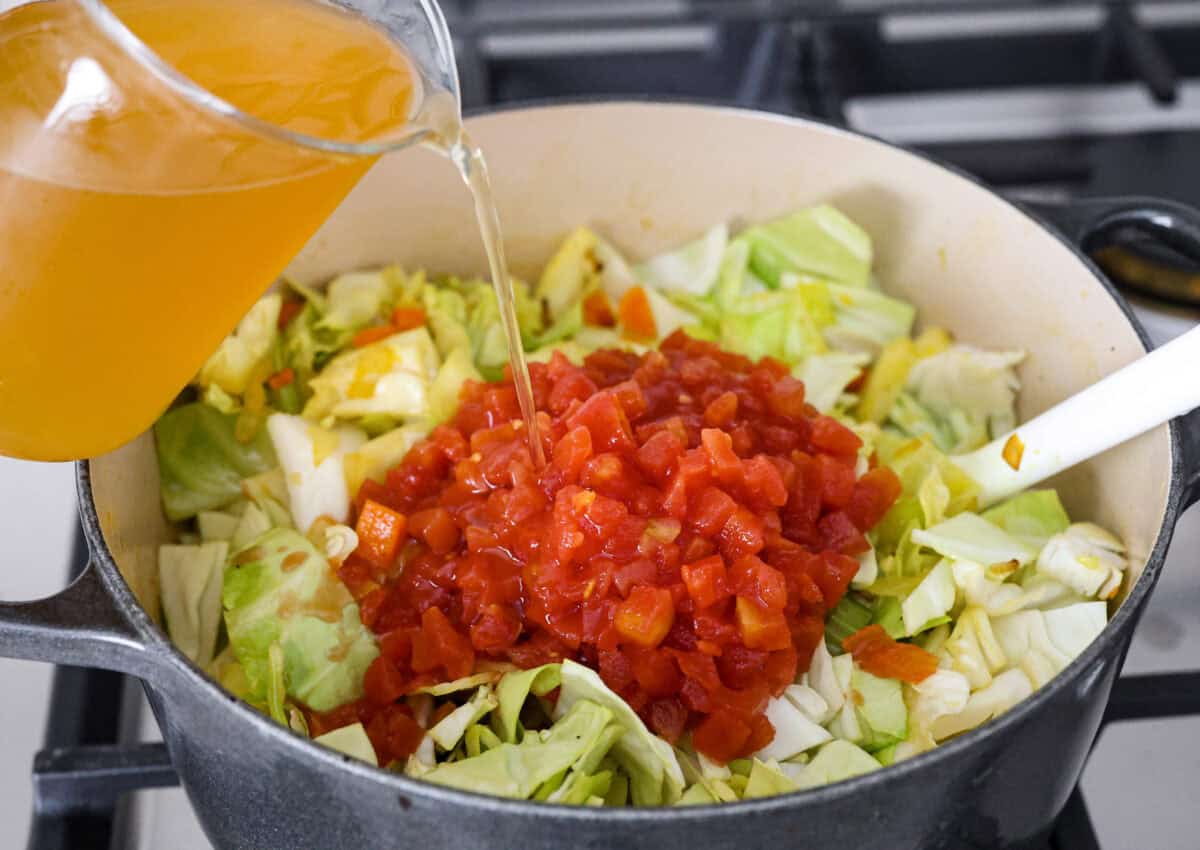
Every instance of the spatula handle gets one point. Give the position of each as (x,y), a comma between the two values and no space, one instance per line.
(1158,387)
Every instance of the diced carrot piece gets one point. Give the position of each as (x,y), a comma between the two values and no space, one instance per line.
(408,318)
(637,318)
(380,530)
(282,378)
(369,335)
(646,616)
(287,312)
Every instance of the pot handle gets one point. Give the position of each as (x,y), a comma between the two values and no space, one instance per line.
(80,626)
(1091,223)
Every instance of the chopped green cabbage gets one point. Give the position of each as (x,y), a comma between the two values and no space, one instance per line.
(570,272)
(767,780)
(313,461)
(353,300)
(450,729)
(882,715)
(512,692)
(668,317)
(456,370)
(374,458)
(818,241)
(826,377)
(930,600)
(834,762)
(201,463)
(772,324)
(1032,517)
(692,268)
(190,580)
(655,775)
(795,732)
(866,320)
(281,589)
(350,740)
(233,363)
(961,397)
(1086,558)
(968,536)
(518,770)
(391,376)
(216,525)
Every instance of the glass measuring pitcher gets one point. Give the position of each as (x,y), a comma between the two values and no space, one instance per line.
(161,161)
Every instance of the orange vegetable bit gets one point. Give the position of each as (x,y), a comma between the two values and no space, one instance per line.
(637,318)
(289,311)
(1013,451)
(369,335)
(408,318)
(282,378)
(875,651)
(646,616)
(380,531)
(597,310)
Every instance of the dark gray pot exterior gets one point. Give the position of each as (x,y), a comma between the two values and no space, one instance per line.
(1000,787)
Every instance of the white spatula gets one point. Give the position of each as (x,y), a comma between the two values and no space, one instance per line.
(1158,387)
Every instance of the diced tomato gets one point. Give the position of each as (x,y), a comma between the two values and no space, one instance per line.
(831,436)
(742,534)
(606,422)
(877,653)
(740,666)
(694,523)
(721,410)
(710,511)
(721,737)
(753,578)
(655,671)
(706,581)
(383,683)
(786,399)
(837,482)
(437,644)
(496,629)
(394,734)
(761,734)
(646,616)
(718,446)
(764,482)
(667,718)
(839,534)
(874,494)
(408,318)
(659,454)
(436,528)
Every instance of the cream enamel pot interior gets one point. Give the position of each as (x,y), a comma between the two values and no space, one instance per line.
(651,176)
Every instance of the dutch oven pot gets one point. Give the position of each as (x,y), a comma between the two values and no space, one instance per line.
(651,176)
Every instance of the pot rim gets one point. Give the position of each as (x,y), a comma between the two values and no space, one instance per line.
(413,789)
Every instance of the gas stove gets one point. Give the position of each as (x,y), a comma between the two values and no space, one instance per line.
(1040,99)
